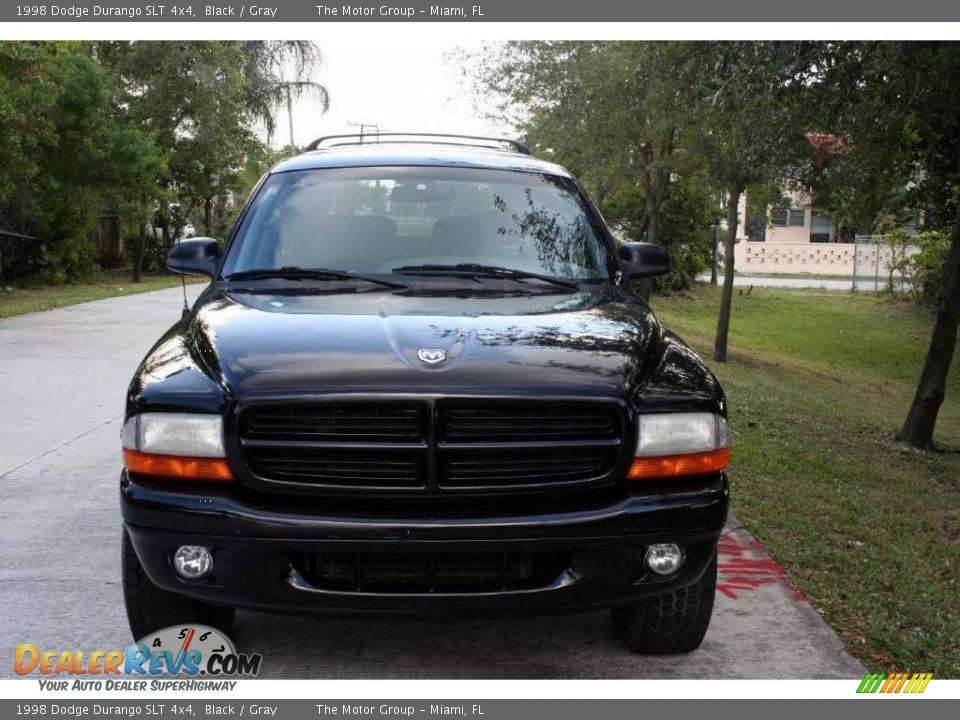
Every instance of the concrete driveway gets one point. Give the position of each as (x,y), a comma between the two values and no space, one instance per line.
(62,380)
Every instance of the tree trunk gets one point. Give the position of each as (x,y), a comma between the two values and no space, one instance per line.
(207,216)
(602,186)
(139,254)
(221,207)
(654,218)
(293,147)
(600,195)
(713,253)
(726,293)
(644,287)
(922,417)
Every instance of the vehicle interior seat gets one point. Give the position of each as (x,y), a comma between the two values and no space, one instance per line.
(458,236)
(341,242)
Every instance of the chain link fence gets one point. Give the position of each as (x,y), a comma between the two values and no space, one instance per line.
(866,269)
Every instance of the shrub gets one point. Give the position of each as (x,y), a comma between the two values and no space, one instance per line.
(688,217)
(923,271)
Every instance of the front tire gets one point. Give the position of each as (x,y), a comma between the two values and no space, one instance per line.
(671,623)
(150,608)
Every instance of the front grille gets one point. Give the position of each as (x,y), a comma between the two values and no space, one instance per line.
(463,468)
(431,572)
(337,421)
(528,420)
(437,446)
(354,467)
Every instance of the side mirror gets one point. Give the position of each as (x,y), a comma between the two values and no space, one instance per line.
(642,260)
(196,256)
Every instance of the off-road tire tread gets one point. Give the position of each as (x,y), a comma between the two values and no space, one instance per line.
(672,623)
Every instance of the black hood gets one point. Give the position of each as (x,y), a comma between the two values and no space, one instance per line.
(587,343)
(247,344)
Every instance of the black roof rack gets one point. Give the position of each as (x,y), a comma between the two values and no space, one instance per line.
(444,139)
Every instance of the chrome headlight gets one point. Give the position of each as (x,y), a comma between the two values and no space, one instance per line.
(187,434)
(684,443)
(187,446)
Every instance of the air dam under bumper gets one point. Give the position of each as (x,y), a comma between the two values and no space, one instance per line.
(273,561)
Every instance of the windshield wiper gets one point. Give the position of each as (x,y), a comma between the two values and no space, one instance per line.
(291,272)
(480,270)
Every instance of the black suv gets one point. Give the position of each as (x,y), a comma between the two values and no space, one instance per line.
(421,383)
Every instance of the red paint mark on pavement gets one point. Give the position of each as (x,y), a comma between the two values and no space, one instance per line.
(745,566)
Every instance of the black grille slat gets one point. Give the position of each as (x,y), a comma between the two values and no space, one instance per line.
(332,466)
(533,420)
(426,573)
(340,421)
(519,462)
(462,468)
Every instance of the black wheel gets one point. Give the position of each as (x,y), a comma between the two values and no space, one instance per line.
(150,608)
(674,622)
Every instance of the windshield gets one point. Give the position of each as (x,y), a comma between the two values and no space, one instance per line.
(374,220)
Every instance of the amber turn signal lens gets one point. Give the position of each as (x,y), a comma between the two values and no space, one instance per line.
(180,468)
(657,468)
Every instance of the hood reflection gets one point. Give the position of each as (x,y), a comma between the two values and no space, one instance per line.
(590,342)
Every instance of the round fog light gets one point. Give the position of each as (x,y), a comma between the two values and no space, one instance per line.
(664,558)
(192,561)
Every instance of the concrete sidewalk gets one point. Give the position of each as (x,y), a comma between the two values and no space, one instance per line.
(865,285)
(63,375)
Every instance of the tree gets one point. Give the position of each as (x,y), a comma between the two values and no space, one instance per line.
(279,71)
(898,106)
(688,215)
(921,419)
(859,190)
(67,152)
(748,124)
(568,100)
(925,79)
(194,96)
(937,141)
(203,101)
(602,110)
(26,95)
(659,122)
(292,89)
(133,128)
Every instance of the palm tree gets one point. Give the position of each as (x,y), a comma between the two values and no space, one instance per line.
(299,88)
(279,71)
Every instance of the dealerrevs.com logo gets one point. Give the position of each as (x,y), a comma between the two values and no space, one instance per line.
(180,650)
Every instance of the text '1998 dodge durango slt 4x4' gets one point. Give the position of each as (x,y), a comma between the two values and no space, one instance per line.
(420,383)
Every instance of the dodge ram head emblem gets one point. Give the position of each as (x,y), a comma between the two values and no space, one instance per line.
(431,356)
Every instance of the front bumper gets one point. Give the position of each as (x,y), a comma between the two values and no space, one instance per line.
(256,548)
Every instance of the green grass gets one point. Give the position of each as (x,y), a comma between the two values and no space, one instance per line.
(818,384)
(17,299)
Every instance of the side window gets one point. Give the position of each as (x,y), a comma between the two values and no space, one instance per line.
(792,217)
